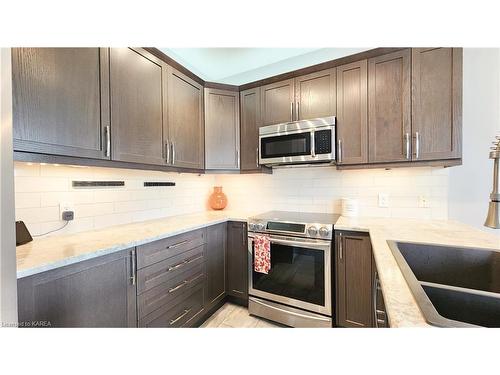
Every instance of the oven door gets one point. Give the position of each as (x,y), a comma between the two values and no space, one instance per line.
(289,147)
(300,273)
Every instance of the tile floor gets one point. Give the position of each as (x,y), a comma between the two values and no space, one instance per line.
(234,316)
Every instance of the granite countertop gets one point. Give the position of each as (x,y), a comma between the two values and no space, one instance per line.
(56,251)
(401,307)
(52,252)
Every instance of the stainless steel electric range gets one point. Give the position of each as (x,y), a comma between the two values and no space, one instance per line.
(297,290)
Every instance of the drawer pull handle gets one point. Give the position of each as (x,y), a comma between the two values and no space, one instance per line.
(184,283)
(184,313)
(177,244)
(184,262)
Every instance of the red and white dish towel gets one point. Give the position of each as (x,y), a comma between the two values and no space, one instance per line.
(262,261)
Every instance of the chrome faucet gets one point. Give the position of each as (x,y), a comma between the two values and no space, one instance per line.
(493,218)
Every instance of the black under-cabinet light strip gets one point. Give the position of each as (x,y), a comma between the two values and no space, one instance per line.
(150,184)
(98,183)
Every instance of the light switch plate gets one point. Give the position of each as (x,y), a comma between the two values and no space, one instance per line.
(383,200)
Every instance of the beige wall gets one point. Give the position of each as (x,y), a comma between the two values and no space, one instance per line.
(471,184)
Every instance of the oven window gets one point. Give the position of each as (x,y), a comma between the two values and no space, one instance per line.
(286,145)
(296,273)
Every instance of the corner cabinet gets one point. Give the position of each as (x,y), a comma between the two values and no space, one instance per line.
(437,103)
(237,260)
(352,113)
(185,140)
(137,109)
(100,292)
(61,101)
(215,289)
(354,282)
(222,129)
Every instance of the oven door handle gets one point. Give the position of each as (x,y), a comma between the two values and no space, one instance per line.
(310,245)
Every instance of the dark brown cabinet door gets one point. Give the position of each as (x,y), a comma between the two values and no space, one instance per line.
(61,101)
(352,113)
(216,263)
(185,121)
(95,293)
(277,102)
(250,123)
(315,95)
(136,106)
(237,259)
(354,280)
(437,103)
(222,129)
(389,112)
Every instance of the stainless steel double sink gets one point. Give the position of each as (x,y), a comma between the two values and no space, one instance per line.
(453,286)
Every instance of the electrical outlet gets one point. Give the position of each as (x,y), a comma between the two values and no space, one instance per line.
(383,200)
(423,201)
(65,207)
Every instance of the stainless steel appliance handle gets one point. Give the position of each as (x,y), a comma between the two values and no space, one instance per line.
(133,267)
(417,145)
(167,151)
(407,140)
(313,145)
(311,244)
(290,312)
(173,321)
(108,141)
(257,157)
(339,151)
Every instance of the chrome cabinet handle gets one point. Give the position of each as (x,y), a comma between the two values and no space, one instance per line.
(183,263)
(173,152)
(173,321)
(177,244)
(132,265)
(171,290)
(407,140)
(313,145)
(341,250)
(417,145)
(339,151)
(298,109)
(257,157)
(237,158)
(167,151)
(291,111)
(108,141)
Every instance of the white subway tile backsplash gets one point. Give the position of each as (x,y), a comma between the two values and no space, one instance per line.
(27,200)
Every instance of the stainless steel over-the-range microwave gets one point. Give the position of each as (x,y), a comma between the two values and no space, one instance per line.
(298,142)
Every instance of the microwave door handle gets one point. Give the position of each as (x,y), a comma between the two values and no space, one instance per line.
(313,145)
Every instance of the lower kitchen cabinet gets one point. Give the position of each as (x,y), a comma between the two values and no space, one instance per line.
(99,292)
(237,260)
(215,264)
(354,281)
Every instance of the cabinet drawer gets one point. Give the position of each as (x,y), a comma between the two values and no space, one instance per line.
(167,269)
(165,293)
(177,313)
(157,251)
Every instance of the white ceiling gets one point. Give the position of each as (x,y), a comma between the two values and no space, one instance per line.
(242,65)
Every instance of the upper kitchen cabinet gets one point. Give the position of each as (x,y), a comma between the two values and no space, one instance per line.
(250,123)
(185,121)
(389,112)
(222,129)
(436,103)
(137,91)
(277,102)
(315,95)
(61,101)
(352,113)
